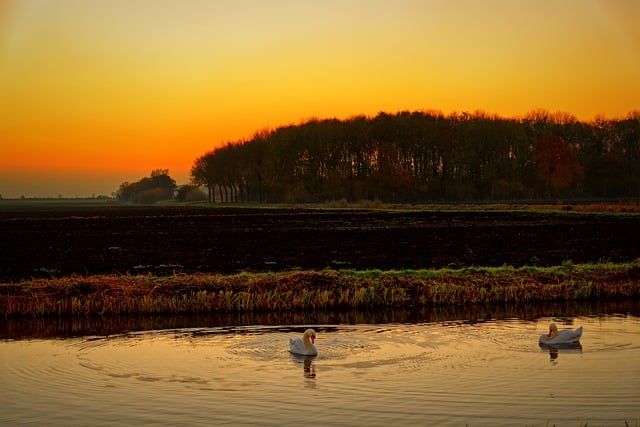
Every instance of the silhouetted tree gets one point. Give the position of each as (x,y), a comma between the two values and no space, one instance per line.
(159,186)
(190,193)
(422,156)
(556,163)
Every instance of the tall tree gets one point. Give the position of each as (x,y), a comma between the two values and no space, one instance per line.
(556,163)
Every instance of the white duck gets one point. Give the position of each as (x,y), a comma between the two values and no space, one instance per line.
(554,337)
(304,346)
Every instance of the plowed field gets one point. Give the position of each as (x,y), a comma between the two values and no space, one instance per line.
(161,240)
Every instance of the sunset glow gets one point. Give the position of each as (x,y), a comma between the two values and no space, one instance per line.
(94,93)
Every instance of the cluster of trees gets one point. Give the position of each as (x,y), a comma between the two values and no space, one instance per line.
(422,156)
(159,186)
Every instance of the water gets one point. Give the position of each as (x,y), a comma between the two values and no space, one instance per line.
(446,373)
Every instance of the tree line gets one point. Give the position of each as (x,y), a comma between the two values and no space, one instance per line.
(428,156)
(159,186)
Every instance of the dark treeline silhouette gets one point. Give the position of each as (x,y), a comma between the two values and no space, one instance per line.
(427,156)
(159,186)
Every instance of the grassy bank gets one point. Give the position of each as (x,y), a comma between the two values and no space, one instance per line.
(315,290)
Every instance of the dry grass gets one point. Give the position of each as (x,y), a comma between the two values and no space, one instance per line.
(597,207)
(313,290)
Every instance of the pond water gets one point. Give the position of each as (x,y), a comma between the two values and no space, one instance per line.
(450,372)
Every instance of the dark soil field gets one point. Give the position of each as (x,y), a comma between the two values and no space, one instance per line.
(60,241)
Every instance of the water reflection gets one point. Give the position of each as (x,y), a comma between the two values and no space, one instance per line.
(556,349)
(308,365)
(25,328)
(309,368)
(470,372)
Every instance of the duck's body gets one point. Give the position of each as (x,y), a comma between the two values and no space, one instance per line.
(304,346)
(555,337)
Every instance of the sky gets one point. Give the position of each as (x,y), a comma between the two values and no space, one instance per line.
(95,93)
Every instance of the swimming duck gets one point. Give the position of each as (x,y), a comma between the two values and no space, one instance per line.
(554,336)
(304,346)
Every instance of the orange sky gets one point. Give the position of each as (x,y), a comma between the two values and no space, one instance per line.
(94,93)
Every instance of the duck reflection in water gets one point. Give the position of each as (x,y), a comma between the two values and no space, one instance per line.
(309,368)
(556,349)
(308,365)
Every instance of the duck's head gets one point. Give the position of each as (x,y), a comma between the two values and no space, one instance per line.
(310,334)
(553,330)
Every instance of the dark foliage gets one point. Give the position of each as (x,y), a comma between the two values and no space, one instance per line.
(423,156)
(159,186)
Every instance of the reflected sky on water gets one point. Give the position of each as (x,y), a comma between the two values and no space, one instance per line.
(477,367)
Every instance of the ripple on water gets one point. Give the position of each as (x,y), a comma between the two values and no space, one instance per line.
(452,373)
